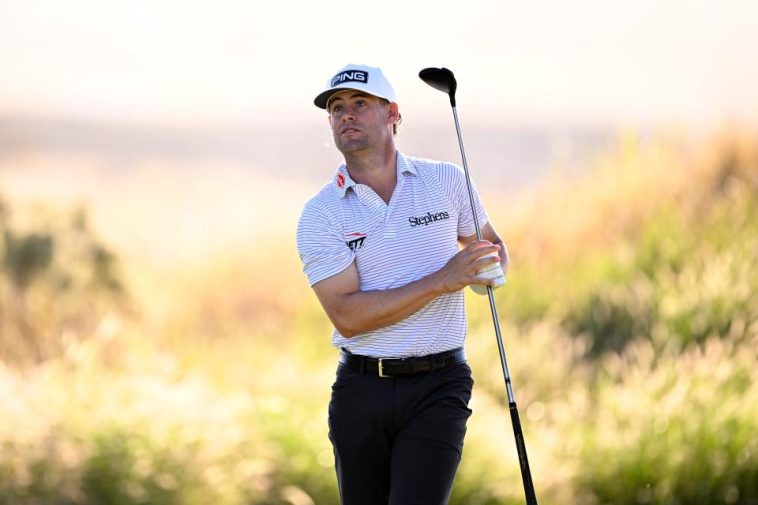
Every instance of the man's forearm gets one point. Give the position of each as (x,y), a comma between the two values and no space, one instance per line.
(364,311)
(353,311)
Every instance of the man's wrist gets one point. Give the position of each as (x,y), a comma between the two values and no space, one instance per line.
(436,284)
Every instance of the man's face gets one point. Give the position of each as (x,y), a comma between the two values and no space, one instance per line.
(359,120)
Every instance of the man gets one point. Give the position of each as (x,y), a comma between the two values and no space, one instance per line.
(381,246)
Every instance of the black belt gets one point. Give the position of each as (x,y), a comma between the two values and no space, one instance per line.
(396,367)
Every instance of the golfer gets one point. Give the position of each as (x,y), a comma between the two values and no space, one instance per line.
(388,245)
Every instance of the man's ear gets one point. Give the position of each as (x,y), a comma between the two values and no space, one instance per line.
(393,113)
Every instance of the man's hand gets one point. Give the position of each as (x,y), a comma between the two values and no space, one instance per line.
(460,271)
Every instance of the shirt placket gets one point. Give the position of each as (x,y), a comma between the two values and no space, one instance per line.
(390,227)
(373,203)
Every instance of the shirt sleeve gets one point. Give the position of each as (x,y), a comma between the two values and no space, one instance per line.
(455,181)
(321,246)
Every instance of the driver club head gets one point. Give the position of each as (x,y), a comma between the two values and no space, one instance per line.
(441,79)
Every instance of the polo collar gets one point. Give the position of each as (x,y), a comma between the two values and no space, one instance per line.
(404,165)
(342,180)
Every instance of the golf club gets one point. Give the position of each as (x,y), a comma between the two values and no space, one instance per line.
(443,80)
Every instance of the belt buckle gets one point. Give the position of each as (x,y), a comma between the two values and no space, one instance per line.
(381,368)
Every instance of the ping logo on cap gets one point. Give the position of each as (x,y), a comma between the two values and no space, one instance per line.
(350,76)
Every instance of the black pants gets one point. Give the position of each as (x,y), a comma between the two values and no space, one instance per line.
(398,441)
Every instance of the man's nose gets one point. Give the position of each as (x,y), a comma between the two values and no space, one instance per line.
(348,114)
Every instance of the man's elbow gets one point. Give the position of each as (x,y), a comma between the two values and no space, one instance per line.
(347,333)
(345,325)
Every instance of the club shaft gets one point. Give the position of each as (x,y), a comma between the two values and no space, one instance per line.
(490,294)
(468,177)
(526,474)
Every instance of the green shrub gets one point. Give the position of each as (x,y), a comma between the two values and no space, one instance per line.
(57,282)
(674,429)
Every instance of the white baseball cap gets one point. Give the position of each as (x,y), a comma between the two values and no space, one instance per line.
(359,77)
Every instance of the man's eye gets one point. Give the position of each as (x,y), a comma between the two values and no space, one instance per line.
(360,104)
(337,109)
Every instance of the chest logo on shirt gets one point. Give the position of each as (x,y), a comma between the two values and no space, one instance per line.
(427,218)
(355,240)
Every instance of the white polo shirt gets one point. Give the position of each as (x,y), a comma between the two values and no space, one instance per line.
(393,244)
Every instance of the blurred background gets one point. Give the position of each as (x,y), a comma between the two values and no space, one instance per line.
(159,343)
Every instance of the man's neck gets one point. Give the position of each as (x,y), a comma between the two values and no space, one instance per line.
(377,169)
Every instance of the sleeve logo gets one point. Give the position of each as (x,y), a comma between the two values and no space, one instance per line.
(355,240)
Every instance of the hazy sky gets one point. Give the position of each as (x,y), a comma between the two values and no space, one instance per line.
(617,61)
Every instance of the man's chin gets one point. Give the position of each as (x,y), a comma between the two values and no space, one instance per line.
(351,146)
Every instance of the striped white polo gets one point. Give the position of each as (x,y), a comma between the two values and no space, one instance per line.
(393,244)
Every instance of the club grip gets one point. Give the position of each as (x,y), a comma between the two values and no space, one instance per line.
(526,474)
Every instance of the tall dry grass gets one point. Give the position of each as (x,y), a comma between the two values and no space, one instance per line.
(629,318)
